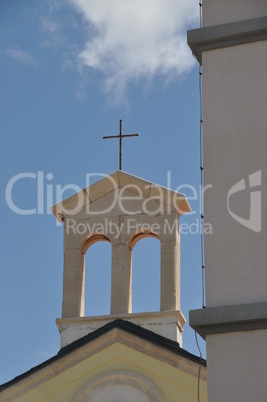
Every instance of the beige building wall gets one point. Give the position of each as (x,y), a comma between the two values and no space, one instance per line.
(217,12)
(232,48)
(237,366)
(235,144)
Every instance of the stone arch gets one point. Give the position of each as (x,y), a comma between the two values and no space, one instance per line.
(139,235)
(115,385)
(90,240)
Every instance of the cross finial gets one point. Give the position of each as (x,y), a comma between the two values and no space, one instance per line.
(120,136)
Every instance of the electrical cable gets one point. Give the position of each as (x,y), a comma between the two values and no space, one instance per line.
(201,202)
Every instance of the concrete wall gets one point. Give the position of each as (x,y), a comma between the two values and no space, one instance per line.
(165,323)
(221,12)
(234,60)
(237,363)
(235,143)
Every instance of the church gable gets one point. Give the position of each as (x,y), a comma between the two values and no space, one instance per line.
(127,201)
(117,356)
(88,198)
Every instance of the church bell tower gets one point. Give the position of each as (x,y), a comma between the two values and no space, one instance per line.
(138,209)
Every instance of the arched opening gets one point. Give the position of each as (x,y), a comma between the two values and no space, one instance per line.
(116,385)
(145,273)
(97,250)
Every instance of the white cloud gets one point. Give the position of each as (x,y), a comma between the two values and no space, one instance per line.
(21,56)
(51,31)
(50,26)
(129,40)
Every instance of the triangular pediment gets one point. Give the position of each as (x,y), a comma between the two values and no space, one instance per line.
(120,180)
(118,347)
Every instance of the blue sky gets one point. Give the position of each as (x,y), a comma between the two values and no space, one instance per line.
(69,71)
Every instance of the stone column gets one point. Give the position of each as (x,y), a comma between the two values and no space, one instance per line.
(170,276)
(73,284)
(121,279)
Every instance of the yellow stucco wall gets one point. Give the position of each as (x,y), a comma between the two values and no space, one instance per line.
(173,383)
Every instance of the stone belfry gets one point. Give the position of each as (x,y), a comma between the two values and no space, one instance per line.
(127,209)
(232,49)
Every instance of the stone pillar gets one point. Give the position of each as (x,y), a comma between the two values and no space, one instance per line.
(121,279)
(73,284)
(170,276)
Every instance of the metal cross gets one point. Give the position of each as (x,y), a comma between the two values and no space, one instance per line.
(121,136)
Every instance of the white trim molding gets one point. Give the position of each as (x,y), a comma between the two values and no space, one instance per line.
(225,35)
